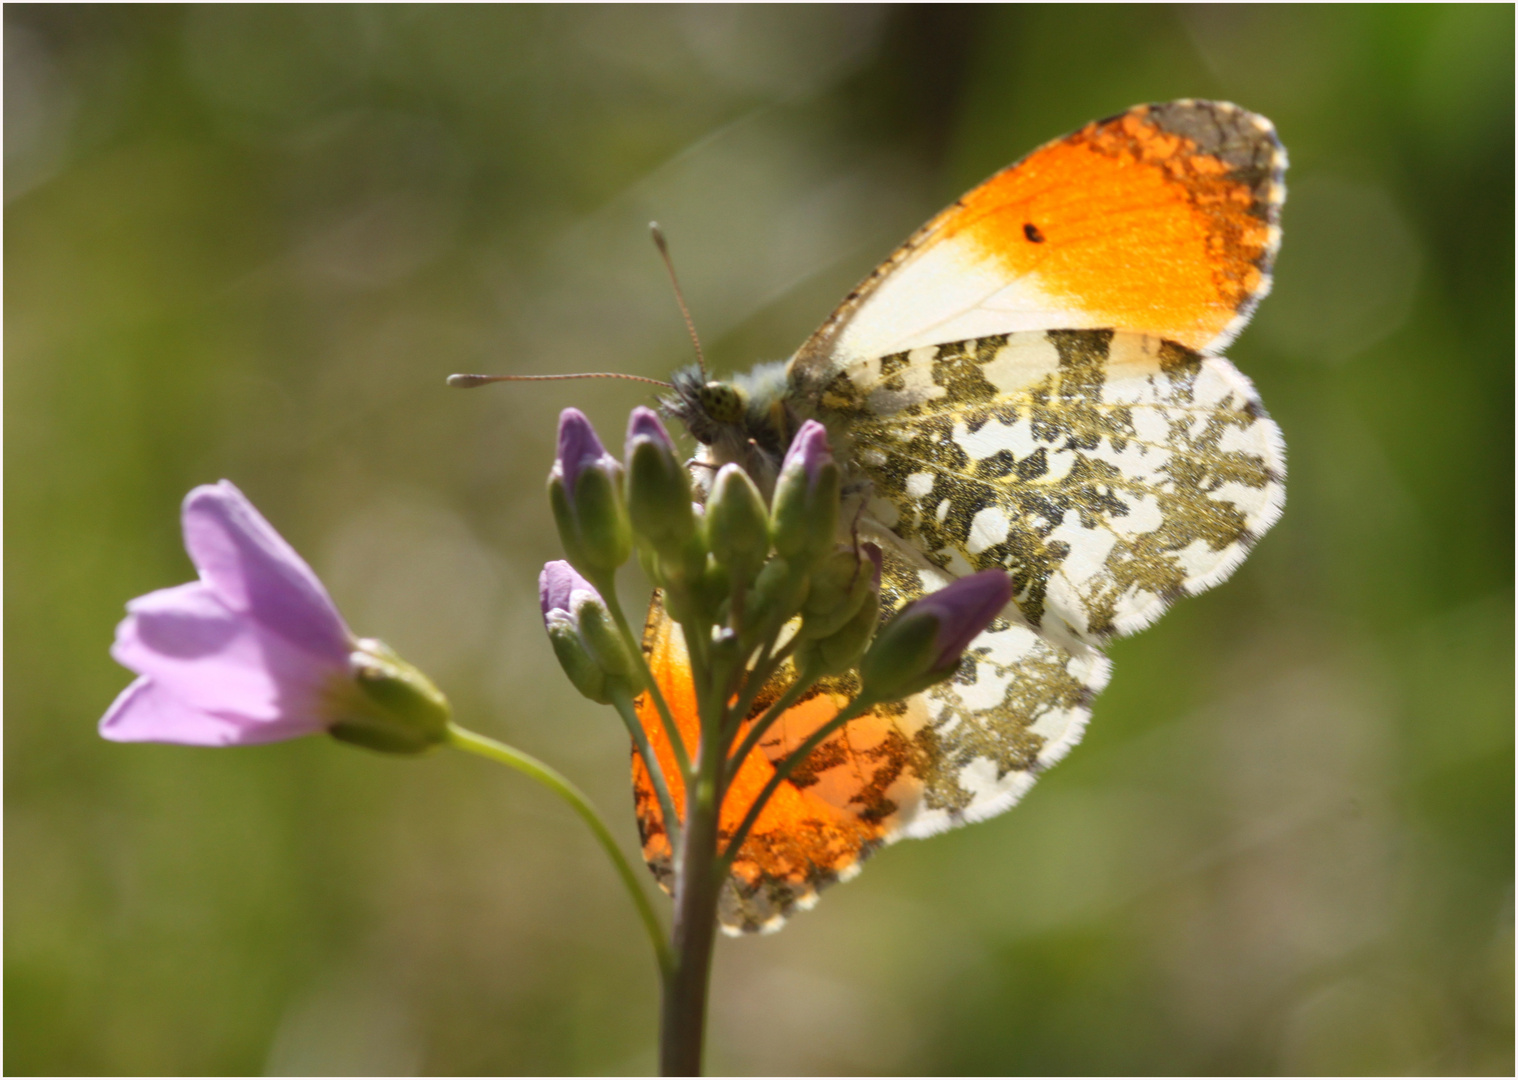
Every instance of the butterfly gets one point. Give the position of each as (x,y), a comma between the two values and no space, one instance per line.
(1033,381)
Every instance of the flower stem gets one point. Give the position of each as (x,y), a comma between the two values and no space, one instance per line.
(682,1022)
(625,708)
(671,730)
(486,747)
(763,724)
(856,708)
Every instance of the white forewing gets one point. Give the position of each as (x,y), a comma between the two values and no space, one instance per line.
(948,291)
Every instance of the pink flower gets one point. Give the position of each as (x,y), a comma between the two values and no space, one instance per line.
(255,651)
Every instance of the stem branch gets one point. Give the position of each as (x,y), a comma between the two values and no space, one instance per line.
(856,708)
(635,646)
(623,701)
(486,747)
(759,727)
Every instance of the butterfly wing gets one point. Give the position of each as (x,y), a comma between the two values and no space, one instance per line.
(800,842)
(1109,473)
(961,751)
(1162,220)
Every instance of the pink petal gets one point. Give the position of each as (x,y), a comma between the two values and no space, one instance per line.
(557,584)
(199,651)
(810,450)
(579,447)
(253,569)
(644,423)
(145,712)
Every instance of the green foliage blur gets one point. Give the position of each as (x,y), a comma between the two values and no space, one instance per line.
(251,242)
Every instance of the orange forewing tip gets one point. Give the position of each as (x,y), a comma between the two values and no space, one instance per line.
(1161,220)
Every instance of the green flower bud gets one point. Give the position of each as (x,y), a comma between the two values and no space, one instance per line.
(397,709)
(924,643)
(725,653)
(584,673)
(839,585)
(806,496)
(589,649)
(658,487)
(841,650)
(737,525)
(777,595)
(585,491)
(688,595)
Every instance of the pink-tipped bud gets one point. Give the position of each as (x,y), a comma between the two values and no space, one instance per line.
(644,423)
(558,586)
(585,489)
(579,447)
(805,514)
(924,643)
(581,631)
(658,489)
(809,451)
(963,608)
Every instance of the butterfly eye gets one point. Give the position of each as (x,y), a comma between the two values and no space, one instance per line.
(723,402)
(1031,231)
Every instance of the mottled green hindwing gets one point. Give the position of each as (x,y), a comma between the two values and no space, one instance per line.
(1109,472)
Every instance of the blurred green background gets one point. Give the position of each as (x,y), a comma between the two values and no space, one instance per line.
(251,242)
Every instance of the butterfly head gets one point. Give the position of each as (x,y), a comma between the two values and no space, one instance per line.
(744,419)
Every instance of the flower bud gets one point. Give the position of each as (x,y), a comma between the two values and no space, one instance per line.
(585,490)
(737,525)
(777,595)
(806,496)
(584,673)
(839,585)
(841,650)
(589,649)
(923,644)
(396,709)
(658,487)
(603,640)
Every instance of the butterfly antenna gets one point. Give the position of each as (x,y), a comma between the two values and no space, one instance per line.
(669,265)
(466,382)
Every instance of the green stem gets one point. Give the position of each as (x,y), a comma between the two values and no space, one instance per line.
(635,645)
(769,663)
(485,747)
(858,707)
(682,1024)
(764,723)
(623,701)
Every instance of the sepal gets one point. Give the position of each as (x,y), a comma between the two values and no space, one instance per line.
(395,709)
